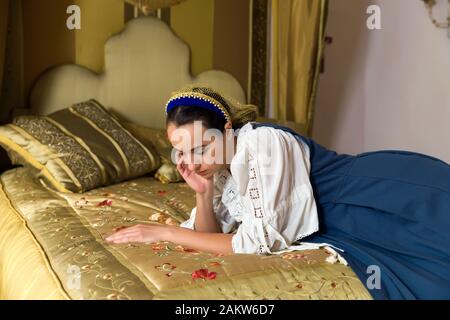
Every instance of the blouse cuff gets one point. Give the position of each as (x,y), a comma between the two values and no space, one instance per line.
(241,242)
(226,222)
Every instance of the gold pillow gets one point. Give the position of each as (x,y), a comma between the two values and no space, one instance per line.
(168,172)
(78,149)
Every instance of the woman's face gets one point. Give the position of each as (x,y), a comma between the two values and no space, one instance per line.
(204,151)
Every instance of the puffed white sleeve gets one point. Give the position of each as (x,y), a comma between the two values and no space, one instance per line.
(271,170)
(225,220)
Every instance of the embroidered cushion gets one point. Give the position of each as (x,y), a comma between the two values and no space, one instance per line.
(78,148)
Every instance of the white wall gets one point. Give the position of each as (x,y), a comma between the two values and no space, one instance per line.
(385,89)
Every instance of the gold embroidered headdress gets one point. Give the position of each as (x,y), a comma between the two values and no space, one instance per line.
(205,97)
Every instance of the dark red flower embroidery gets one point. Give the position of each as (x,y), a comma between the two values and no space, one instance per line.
(105,203)
(203,274)
(161,192)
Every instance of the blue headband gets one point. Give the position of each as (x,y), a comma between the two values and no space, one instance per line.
(195,99)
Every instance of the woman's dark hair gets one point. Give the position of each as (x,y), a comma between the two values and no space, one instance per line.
(240,114)
(186,114)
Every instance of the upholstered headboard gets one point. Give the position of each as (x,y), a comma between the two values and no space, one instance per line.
(143,65)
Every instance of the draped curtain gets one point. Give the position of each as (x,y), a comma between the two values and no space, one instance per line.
(297,43)
(3,25)
(4,9)
(11,66)
(12,97)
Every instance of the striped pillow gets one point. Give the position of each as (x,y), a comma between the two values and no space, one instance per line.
(78,149)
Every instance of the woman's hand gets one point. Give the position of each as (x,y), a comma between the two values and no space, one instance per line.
(141,233)
(201,241)
(198,183)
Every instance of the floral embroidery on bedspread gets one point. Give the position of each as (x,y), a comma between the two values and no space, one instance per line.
(71,228)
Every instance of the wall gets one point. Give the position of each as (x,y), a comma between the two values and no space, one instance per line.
(385,89)
(215,30)
(231,38)
(193,21)
(96,29)
(46,40)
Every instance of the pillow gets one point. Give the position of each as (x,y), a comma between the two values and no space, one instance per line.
(168,171)
(78,149)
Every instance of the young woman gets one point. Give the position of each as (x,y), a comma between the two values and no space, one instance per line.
(264,187)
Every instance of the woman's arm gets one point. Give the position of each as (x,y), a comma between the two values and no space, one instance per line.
(205,219)
(208,234)
(201,241)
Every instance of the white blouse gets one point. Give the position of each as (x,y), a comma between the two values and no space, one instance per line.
(267,199)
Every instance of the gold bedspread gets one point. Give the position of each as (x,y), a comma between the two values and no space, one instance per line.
(52,247)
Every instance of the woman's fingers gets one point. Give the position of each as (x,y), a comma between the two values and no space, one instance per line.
(122,233)
(127,237)
(124,240)
(116,237)
(182,169)
(136,233)
(125,230)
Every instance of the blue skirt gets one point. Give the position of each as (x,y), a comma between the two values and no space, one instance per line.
(391,216)
(390,213)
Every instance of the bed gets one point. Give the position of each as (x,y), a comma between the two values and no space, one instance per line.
(52,242)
